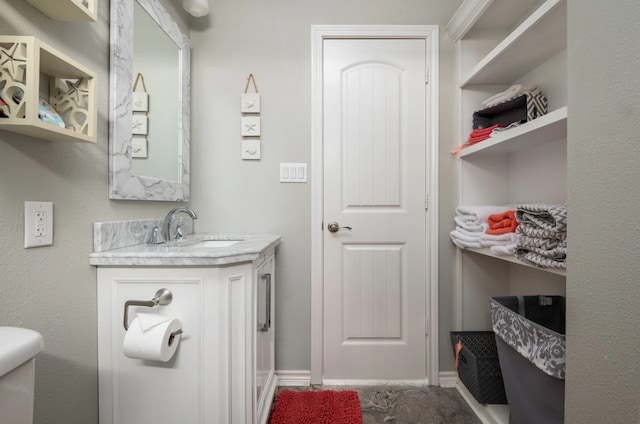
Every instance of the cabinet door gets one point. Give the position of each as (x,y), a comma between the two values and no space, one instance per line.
(265,338)
(136,391)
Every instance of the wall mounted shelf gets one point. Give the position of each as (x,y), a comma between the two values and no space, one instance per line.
(542,35)
(68,10)
(487,252)
(547,128)
(32,72)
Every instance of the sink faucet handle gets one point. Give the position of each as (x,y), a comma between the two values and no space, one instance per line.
(178,234)
(152,237)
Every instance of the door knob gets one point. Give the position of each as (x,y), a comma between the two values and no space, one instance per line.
(334,227)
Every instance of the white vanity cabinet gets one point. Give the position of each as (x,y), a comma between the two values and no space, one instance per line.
(500,43)
(223,369)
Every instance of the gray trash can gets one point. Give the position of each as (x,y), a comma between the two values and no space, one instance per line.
(531,349)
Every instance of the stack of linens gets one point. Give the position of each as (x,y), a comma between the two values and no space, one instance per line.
(472,224)
(542,235)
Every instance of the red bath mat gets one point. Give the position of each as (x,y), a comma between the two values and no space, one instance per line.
(317,407)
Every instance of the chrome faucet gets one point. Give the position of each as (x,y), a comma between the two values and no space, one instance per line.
(165,231)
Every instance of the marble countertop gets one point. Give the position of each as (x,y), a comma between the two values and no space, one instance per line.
(184,253)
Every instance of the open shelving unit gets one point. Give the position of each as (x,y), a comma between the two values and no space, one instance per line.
(500,43)
(68,10)
(33,72)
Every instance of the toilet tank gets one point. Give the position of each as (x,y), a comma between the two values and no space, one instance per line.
(18,348)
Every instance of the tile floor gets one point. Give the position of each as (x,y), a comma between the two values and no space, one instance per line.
(400,404)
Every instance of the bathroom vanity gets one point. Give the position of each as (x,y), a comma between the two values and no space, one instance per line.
(223,293)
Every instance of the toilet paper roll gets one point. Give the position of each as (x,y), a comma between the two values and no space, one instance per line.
(155,344)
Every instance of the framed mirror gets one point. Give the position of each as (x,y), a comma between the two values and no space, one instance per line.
(149,138)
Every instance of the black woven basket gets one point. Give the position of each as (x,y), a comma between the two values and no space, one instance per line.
(479,367)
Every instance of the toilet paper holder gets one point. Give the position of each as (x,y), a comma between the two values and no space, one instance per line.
(162,297)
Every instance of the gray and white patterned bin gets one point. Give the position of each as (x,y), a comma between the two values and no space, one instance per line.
(531,349)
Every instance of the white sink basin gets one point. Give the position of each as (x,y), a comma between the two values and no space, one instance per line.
(18,346)
(212,244)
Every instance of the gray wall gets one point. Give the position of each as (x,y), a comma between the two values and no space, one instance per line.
(52,289)
(603,323)
(272,40)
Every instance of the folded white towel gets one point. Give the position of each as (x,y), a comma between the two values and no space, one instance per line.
(462,240)
(469,224)
(506,250)
(501,240)
(511,92)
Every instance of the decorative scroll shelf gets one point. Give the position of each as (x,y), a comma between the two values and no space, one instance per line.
(68,10)
(30,68)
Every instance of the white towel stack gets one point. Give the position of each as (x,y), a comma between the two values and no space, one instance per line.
(510,93)
(471,224)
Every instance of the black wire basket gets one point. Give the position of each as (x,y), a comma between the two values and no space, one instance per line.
(479,367)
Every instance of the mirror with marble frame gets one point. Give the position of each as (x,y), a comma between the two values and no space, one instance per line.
(126,179)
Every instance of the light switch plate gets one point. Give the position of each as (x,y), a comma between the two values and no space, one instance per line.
(293,172)
(251,149)
(38,224)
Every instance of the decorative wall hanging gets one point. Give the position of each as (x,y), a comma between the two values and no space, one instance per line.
(139,147)
(250,102)
(139,124)
(250,126)
(140,118)
(250,121)
(140,99)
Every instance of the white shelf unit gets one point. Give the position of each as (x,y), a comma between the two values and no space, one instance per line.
(500,43)
(68,10)
(37,71)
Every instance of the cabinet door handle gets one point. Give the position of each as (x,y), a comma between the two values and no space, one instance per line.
(264,327)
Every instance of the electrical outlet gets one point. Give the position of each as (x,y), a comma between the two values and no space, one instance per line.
(38,224)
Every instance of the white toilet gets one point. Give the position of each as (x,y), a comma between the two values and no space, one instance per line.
(18,348)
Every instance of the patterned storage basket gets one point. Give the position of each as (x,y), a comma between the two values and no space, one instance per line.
(533,326)
(478,365)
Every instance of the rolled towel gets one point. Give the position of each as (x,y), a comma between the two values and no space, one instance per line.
(480,214)
(502,223)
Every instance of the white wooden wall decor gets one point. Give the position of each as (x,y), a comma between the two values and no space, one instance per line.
(250,121)
(140,120)
(70,98)
(27,67)
(250,126)
(68,10)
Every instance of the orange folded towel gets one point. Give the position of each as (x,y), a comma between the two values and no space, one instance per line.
(502,223)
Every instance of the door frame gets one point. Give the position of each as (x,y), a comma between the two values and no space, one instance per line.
(318,34)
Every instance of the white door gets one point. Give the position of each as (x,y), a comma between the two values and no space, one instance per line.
(374,146)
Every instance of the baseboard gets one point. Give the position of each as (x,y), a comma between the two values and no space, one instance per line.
(264,409)
(448,379)
(488,414)
(293,378)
